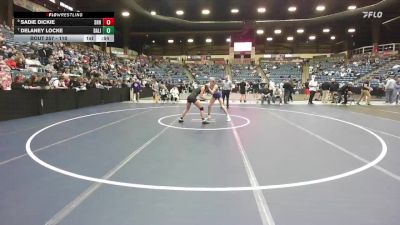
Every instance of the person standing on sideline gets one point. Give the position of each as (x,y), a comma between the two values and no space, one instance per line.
(313,89)
(307,90)
(156,91)
(242,91)
(397,90)
(226,90)
(136,88)
(292,85)
(287,90)
(163,92)
(365,93)
(389,88)
(333,89)
(325,91)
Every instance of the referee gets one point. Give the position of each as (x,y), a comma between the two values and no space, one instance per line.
(226,90)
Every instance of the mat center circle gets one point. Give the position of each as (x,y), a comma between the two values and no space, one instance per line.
(193,122)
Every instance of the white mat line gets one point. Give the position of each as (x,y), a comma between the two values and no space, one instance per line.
(385,133)
(383,170)
(59,216)
(262,205)
(71,138)
(210,120)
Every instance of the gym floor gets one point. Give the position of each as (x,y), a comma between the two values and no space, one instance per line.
(135,164)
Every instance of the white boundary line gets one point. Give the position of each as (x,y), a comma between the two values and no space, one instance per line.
(385,133)
(262,205)
(376,117)
(373,116)
(390,174)
(203,129)
(71,138)
(59,216)
(210,189)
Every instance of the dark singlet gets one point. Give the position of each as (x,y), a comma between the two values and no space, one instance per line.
(192,98)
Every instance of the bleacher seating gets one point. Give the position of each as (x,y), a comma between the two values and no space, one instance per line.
(201,72)
(245,72)
(336,68)
(392,68)
(68,60)
(169,72)
(280,71)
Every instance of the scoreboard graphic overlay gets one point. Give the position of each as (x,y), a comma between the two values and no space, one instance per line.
(64,26)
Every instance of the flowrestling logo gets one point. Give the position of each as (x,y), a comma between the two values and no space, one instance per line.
(372,14)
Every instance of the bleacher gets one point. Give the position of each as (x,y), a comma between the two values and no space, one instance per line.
(201,72)
(278,71)
(245,72)
(336,68)
(392,68)
(76,60)
(172,73)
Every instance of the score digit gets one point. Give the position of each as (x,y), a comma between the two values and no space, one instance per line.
(108,30)
(108,21)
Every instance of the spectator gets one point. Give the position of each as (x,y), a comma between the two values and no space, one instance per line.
(287,89)
(60,54)
(43,56)
(20,62)
(11,63)
(98,84)
(2,39)
(32,81)
(333,89)
(82,84)
(325,91)
(43,83)
(163,92)
(242,91)
(126,84)
(389,88)
(5,78)
(67,79)
(74,83)
(292,86)
(397,90)
(365,89)
(174,94)
(58,65)
(137,88)
(57,83)
(345,91)
(18,83)
(277,93)
(313,89)
(307,90)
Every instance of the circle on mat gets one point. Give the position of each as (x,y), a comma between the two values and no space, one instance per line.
(244,119)
(209,189)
